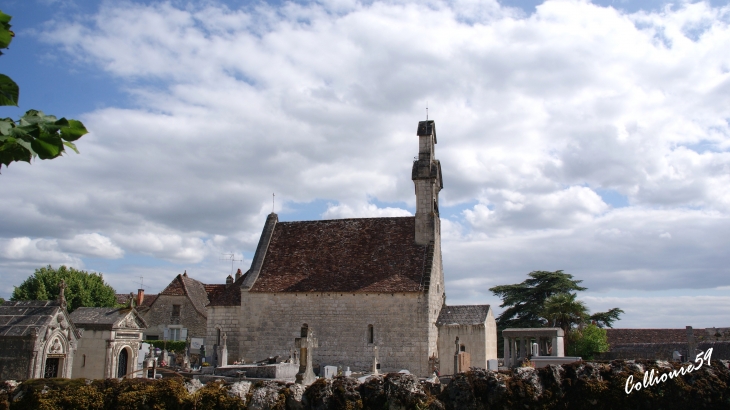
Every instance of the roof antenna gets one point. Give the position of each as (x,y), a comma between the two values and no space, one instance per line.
(273,198)
(141,282)
(230,258)
(426,110)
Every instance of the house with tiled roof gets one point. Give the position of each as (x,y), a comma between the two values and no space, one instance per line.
(179,311)
(357,284)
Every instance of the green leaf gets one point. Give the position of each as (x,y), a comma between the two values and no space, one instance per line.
(73,131)
(47,146)
(6,35)
(9,91)
(6,124)
(13,150)
(72,146)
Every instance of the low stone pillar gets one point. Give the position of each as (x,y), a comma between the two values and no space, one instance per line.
(507,352)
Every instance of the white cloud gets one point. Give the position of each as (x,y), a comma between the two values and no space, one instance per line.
(92,244)
(536,116)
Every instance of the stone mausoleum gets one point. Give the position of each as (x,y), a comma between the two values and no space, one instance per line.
(37,339)
(357,284)
(109,346)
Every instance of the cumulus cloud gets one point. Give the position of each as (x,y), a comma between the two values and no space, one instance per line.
(92,244)
(538,115)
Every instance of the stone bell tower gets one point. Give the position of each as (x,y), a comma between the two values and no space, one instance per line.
(426,176)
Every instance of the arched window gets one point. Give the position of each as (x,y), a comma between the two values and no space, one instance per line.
(305,329)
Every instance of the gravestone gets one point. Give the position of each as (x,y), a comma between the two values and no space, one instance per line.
(306,344)
(330,372)
(376,363)
(347,373)
(223,352)
(493,364)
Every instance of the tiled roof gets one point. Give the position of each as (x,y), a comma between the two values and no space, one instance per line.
(463,315)
(123,298)
(214,291)
(229,295)
(97,315)
(200,294)
(344,255)
(627,336)
(101,317)
(17,319)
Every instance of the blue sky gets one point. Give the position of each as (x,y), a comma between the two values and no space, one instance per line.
(588,137)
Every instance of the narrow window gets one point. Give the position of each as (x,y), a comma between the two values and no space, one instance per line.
(371,334)
(83,362)
(305,329)
(219,338)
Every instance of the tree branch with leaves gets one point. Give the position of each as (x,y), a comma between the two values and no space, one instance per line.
(34,134)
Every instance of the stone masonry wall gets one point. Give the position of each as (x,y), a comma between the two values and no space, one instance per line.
(473,337)
(15,358)
(92,345)
(271,322)
(227,319)
(160,316)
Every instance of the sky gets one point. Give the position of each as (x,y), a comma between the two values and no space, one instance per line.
(587,137)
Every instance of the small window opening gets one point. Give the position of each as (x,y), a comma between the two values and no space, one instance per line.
(463,348)
(218,338)
(304,330)
(176,310)
(83,361)
(371,334)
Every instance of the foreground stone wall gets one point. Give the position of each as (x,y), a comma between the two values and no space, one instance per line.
(402,332)
(593,386)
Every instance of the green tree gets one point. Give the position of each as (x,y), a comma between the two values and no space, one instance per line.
(35,134)
(587,341)
(83,288)
(525,302)
(606,319)
(564,311)
(546,299)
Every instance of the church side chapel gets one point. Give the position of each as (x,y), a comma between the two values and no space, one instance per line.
(110,343)
(38,339)
(370,290)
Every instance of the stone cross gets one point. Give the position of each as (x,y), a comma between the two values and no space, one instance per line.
(306,344)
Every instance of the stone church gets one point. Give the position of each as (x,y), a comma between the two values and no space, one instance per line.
(358,284)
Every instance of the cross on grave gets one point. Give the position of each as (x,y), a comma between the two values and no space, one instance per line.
(376,362)
(306,343)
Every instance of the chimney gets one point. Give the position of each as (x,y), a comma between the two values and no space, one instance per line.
(229,280)
(238,274)
(140,297)
(185,273)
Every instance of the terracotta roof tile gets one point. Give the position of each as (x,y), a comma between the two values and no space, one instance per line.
(344,255)
(230,295)
(628,336)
